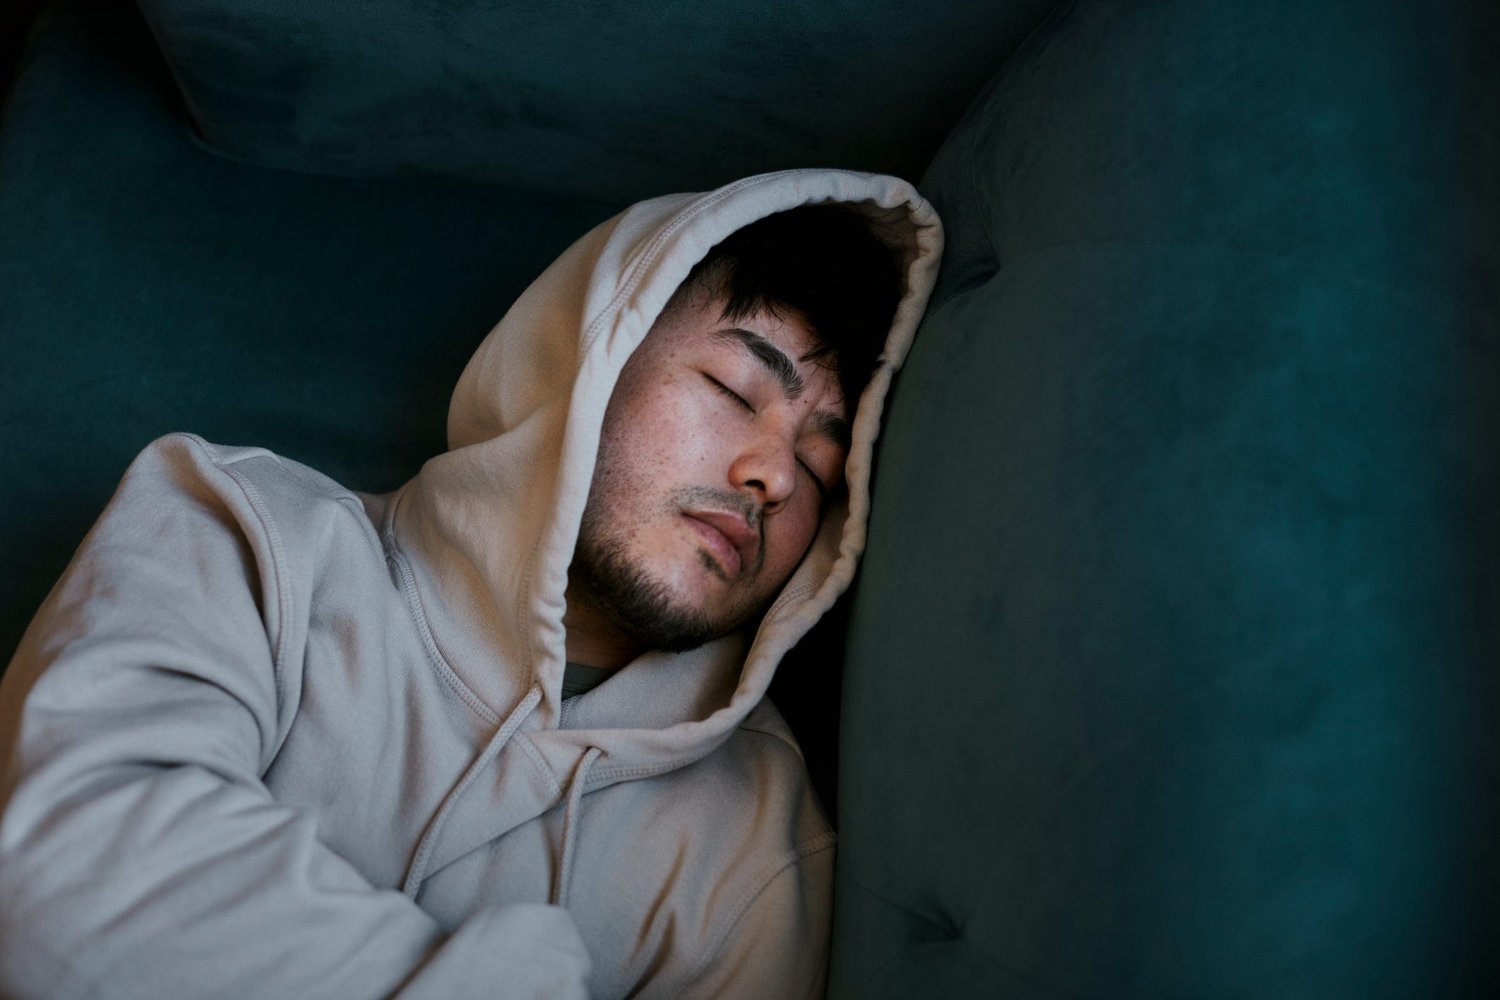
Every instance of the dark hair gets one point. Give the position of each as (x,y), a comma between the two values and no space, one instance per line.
(823,262)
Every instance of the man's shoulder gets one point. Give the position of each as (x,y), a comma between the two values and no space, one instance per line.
(759,771)
(299,513)
(181,450)
(188,464)
(765,727)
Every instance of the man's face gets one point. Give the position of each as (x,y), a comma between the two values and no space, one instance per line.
(719,446)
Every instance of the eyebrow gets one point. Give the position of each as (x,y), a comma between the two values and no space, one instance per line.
(833,427)
(775,361)
(771,358)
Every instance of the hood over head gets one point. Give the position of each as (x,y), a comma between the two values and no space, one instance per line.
(486,531)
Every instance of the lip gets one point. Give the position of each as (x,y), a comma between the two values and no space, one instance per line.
(729,536)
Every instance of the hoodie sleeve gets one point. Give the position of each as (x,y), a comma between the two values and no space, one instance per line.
(141,855)
(778,945)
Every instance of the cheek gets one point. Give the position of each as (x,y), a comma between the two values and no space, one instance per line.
(667,435)
(788,535)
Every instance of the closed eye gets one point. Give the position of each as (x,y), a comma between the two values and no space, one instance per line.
(730,393)
(822,489)
(744,404)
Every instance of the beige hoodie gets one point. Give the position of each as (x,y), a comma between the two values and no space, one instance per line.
(268,736)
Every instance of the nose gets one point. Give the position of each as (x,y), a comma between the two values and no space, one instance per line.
(765,468)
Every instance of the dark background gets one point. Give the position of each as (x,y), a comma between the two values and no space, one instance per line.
(15,21)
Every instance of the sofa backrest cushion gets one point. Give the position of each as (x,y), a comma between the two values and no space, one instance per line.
(583,97)
(1172,665)
(148,287)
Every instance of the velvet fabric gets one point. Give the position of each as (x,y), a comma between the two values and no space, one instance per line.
(1172,667)
(147,286)
(584,97)
(1173,662)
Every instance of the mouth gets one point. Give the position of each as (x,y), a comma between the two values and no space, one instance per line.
(729,539)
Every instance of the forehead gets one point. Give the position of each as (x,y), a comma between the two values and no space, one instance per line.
(699,320)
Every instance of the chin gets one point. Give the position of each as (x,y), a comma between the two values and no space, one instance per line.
(668,595)
(690,590)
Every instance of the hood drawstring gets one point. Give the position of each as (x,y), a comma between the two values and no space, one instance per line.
(570,826)
(425,846)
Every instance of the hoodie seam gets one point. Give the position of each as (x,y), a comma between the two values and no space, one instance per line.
(534,755)
(788,598)
(434,655)
(789,744)
(646,771)
(279,581)
(273,542)
(409,590)
(799,853)
(278,558)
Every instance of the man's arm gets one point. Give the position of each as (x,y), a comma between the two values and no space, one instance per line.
(777,946)
(140,852)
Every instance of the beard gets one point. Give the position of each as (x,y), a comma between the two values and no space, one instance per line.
(604,576)
(640,606)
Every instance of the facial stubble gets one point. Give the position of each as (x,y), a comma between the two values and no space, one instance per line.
(609,579)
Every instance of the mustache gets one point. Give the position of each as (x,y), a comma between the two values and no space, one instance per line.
(729,501)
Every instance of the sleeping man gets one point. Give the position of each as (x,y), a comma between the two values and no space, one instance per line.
(502,731)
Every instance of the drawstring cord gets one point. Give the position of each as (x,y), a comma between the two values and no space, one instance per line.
(570,821)
(428,842)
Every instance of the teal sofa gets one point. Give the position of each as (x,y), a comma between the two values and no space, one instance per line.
(1174,666)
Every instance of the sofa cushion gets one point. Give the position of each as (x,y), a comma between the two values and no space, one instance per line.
(1172,665)
(147,286)
(584,97)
